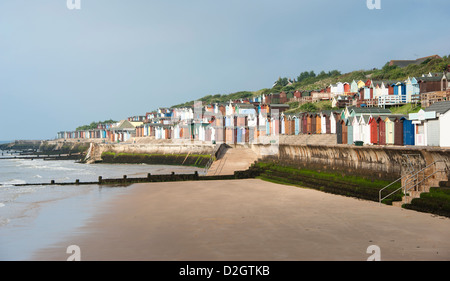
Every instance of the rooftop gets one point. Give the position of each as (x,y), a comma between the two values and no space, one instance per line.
(440,107)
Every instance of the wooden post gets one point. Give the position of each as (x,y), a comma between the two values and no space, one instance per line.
(149,175)
(100,179)
(77,181)
(52,182)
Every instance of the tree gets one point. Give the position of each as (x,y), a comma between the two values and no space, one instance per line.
(322,74)
(334,73)
(304,75)
(281,82)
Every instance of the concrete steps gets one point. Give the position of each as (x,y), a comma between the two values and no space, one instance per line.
(234,159)
(435,180)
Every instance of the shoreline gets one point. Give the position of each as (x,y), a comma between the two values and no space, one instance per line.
(250,219)
(32,217)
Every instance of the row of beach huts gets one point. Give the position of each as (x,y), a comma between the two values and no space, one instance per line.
(237,122)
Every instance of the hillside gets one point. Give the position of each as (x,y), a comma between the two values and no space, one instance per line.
(307,81)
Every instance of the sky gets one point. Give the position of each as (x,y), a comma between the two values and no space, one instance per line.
(61,68)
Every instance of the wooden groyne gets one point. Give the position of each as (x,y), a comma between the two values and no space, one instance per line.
(125,180)
(77,156)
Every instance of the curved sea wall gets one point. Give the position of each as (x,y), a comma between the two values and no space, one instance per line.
(375,162)
(96,150)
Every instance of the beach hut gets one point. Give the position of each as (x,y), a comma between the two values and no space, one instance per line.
(364,128)
(349,125)
(283,119)
(389,129)
(309,123)
(297,121)
(238,135)
(408,131)
(292,119)
(373,130)
(325,122)
(334,118)
(318,129)
(356,129)
(305,123)
(398,131)
(338,132)
(381,130)
(344,131)
(328,123)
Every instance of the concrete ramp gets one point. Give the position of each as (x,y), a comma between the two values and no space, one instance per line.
(234,159)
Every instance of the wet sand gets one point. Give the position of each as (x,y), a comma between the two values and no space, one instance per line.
(239,220)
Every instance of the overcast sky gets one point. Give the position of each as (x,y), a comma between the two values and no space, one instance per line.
(61,68)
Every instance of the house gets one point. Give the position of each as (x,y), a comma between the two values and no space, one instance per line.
(405,63)
(431,83)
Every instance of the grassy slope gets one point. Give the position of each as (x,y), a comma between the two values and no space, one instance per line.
(386,73)
(405,109)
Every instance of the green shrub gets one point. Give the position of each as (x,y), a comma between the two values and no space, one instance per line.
(437,201)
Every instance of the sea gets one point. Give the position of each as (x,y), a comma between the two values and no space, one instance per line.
(35,217)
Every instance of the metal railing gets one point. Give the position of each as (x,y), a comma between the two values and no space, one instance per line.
(215,156)
(208,165)
(409,177)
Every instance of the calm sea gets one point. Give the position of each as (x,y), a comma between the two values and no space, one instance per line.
(35,217)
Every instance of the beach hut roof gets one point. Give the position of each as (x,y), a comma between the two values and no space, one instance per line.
(439,107)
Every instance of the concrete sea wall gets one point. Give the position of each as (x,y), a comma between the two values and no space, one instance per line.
(96,149)
(376,162)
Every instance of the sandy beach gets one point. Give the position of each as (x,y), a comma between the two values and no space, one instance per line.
(251,220)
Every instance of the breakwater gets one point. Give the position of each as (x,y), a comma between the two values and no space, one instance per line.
(125,180)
